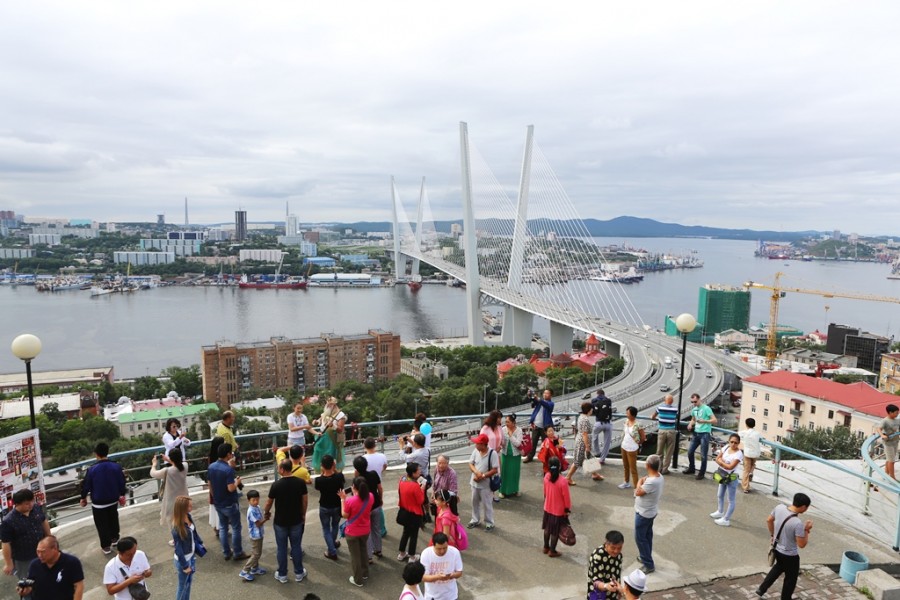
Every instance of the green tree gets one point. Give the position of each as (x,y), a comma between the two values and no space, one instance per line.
(51,410)
(185,381)
(147,387)
(516,383)
(833,443)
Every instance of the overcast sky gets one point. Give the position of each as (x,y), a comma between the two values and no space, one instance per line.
(764,115)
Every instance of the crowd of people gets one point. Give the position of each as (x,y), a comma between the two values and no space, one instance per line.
(351,507)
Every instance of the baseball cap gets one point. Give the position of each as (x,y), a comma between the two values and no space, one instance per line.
(479,439)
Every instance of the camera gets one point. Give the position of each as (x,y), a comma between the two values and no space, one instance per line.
(348,490)
(25,583)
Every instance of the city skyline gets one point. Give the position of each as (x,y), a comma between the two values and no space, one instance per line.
(759,117)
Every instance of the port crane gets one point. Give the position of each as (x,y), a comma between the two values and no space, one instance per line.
(779,291)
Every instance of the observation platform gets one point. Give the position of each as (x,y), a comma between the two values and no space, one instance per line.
(691,552)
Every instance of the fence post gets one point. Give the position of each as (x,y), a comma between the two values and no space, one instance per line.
(777,470)
(867,495)
(897,530)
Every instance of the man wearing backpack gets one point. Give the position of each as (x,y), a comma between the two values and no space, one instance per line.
(602,412)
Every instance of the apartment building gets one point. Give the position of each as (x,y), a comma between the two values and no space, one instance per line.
(889,376)
(783,402)
(306,365)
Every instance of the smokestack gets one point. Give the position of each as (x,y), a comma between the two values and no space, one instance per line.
(186,222)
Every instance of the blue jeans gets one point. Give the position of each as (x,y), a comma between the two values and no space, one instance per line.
(331,520)
(720,495)
(184,580)
(294,535)
(643,537)
(230,516)
(702,440)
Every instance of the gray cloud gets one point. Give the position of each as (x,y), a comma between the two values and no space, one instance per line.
(760,116)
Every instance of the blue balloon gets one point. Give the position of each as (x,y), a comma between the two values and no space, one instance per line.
(425,429)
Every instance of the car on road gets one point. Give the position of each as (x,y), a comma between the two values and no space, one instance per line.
(696,365)
(708,373)
(664,387)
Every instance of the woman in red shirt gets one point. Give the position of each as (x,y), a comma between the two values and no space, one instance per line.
(357,509)
(412,498)
(551,447)
(557,505)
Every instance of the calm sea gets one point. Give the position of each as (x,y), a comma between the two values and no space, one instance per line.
(144,332)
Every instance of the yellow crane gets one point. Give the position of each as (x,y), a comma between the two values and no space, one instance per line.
(779,291)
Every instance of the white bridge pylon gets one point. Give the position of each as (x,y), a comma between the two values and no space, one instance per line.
(533,255)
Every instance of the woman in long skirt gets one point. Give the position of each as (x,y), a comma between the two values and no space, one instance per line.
(511,465)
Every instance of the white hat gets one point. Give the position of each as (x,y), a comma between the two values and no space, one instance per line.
(637,580)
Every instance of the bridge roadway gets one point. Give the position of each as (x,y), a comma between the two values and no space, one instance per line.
(507,563)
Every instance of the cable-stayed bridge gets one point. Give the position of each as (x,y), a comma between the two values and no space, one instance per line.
(532,254)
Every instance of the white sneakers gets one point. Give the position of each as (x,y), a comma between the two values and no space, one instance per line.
(624,485)
(723,522)
(716,515)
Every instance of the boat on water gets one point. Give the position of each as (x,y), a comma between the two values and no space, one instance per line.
(895,269)
(60,284)
(415,283)
(629,276)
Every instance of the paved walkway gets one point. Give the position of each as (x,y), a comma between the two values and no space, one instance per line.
(815,583)
(695,558)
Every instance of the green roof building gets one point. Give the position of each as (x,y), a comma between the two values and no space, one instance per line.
(153,421)
(721,308)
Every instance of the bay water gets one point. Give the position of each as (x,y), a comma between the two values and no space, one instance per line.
(144,332)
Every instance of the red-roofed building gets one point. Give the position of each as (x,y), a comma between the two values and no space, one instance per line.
(782,402)
(585,360)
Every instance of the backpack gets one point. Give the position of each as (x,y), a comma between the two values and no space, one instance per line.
(603,409)
(462,538)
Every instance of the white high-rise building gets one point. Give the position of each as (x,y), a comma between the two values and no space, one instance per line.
(291,225)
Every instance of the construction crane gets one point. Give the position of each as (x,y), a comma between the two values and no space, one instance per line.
(779,291)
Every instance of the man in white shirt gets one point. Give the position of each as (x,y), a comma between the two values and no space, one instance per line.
(443,566)
(129,566)
(376,460)
(297,426)
(752,448)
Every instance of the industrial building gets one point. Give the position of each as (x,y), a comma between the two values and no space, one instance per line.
(305,365)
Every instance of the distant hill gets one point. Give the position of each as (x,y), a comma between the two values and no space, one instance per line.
(631,227)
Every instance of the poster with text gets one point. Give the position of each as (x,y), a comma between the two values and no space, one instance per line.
(20,467)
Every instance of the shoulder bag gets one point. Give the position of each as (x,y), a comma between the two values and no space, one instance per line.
(138,591)
(775,540)
(342,529)
(495,480)
(566,533)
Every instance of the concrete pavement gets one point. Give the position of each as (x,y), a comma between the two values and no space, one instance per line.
(689,549)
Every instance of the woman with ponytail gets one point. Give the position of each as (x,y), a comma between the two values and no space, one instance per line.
(557,505)
(447,520)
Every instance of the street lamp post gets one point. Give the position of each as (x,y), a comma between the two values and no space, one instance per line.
(26,347)
(597,370)
(484,397)
(685,324)
(416,400)
(497,394)
(564,380)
